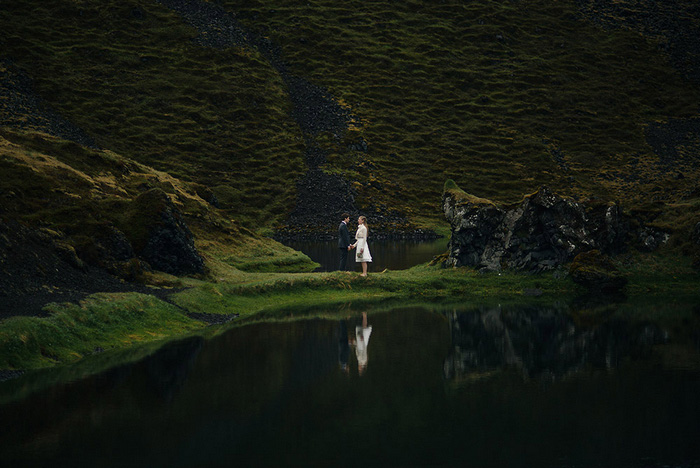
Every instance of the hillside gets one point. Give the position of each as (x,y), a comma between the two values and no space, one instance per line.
(278,114)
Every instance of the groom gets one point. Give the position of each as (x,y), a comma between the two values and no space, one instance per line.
(344,245)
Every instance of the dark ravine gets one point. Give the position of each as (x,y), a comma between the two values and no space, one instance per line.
(541,233)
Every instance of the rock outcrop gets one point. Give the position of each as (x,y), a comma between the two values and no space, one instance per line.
(160,236)
(38,266)
(543,231)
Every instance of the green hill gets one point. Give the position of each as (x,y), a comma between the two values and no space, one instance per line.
(280,107)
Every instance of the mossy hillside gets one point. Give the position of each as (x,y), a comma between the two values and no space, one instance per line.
(79,192)
(500,96)
(130,75)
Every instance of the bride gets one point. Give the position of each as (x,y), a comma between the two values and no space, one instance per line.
(362,254)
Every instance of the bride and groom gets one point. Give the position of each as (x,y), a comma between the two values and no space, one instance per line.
(362,254)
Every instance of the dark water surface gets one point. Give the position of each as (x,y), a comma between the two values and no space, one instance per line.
(391,254)
(525,386)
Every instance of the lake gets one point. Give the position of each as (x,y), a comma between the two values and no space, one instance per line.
(386,254)
(475,386)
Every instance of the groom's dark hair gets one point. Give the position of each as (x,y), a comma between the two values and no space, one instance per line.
(344,215)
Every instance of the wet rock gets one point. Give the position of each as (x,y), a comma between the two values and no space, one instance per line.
(596,272)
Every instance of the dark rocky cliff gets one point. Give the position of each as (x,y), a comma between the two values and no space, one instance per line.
(543,231)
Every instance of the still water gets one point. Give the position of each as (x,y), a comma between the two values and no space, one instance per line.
(386,254)
(480,386)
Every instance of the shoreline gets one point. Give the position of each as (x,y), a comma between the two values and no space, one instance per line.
(121,320)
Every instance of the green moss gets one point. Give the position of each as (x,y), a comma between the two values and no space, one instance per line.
(460,196)
(483,93)
(72,331)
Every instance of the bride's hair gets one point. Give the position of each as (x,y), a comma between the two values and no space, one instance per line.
(364,222)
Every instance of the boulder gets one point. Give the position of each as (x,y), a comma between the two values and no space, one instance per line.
(596,272)
(650,239)
(160,236)
(542,232)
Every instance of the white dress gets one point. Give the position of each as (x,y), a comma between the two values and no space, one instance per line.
(362,249)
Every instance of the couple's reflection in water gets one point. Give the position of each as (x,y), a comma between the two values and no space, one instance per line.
(358,338)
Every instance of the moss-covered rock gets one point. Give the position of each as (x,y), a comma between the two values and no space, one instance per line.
(596,272)
(159,234)
(543,231)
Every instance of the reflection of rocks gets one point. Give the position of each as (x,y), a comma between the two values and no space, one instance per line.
(169,366)
(541,342)
(540,233)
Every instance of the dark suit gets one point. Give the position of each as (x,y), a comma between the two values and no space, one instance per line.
(343,243)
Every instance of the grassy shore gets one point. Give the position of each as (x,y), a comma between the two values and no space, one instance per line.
(120,321)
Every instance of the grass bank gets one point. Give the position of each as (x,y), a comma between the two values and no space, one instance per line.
(115,321)
(102,321)
(119,321)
